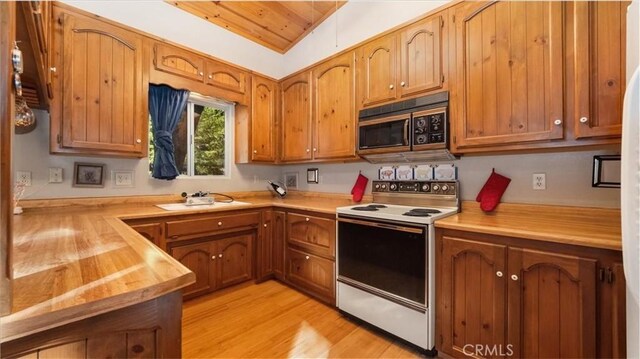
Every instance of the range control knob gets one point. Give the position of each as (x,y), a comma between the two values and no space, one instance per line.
(383,186)
(445,188)
(425,187)
(377,186)
(435,188)
(393,186)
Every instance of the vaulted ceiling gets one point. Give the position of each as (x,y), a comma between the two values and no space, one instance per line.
(278,25)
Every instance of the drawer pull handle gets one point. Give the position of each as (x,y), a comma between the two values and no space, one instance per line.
(219,223)
(220,255)
(514,277)
(306,257)
(499,274)
(307,219)
(265,225)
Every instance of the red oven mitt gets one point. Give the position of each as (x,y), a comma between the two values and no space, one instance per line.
(359,188)
(490,194)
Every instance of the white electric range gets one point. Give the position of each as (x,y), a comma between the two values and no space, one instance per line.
(386,257)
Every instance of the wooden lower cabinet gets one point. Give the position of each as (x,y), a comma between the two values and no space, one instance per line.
(313,233)
(151,329)
(312,274)
(218,262)
(264,248)
(279,240)
(500,296)
(151,231)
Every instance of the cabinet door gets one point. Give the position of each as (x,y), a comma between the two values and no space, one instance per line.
(278,232)
(296,118)
(612,311)
(377,71)
(421,57)
(599,57)
(104,103)
(151,231)
(178,62)
(314,274)
(234,259)
(334,114)
(552,305)
(263,119)
(264,247)
(510,72)
(200,259)
(472,297)
(316,235)
(225,77)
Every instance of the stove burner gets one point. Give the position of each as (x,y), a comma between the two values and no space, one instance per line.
(369,208)
(421,212)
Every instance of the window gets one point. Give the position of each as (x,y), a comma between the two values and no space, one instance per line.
(201,139)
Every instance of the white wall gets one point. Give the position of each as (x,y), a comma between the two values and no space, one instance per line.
(31,153)
(356,22)
(568,176)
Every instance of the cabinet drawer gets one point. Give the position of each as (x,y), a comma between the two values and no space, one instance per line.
(178,62)
(311,273)
(188,227)
(314,234)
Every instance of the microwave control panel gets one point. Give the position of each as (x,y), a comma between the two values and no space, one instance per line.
(429,127)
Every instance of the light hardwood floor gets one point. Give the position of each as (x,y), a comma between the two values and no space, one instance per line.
(271,320)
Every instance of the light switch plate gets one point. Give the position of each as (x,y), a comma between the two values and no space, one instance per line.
(122,178)
(55,175)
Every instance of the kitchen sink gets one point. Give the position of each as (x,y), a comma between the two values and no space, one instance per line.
(184,207)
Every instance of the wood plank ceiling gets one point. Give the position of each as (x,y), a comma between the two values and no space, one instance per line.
(278,25)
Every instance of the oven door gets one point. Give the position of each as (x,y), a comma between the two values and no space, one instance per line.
(385,259)
(388,134)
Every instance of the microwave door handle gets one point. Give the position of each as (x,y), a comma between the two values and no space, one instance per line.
(406,132)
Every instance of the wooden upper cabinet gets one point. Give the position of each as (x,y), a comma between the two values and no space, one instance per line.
(176,61)
(377,69)
(600,55)
(225,76)
(552,305)
(509,69)
(421,54)
(473,292)
(263,119)
(104,95)
(334,113)
(295,98)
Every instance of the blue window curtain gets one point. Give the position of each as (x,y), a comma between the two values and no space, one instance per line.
(165,107)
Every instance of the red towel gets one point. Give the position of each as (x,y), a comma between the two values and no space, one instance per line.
(490,194)
(358,189)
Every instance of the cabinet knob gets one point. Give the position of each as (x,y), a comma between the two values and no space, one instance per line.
(391,87)
(308,150)
(138,141)
(307,219)
(499,274)
(306,257)
(220,255)
(213,257)
(210,76)
(255,151)
(264,225)
(557,122)
(53,69)
(219,223)
(402,84)
(514,277)
(584,120)
(315,149)
(201,73)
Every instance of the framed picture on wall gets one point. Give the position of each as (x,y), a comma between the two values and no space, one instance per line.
(88,175)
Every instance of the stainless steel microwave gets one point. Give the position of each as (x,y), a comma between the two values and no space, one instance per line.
(409,131)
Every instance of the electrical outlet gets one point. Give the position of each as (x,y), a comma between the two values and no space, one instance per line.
(539,181)
(23,177)
(55,175)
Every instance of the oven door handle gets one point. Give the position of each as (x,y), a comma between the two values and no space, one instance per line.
(382,225)
(406,132)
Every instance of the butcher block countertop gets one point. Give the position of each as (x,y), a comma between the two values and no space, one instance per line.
(590,227)
(75,258)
